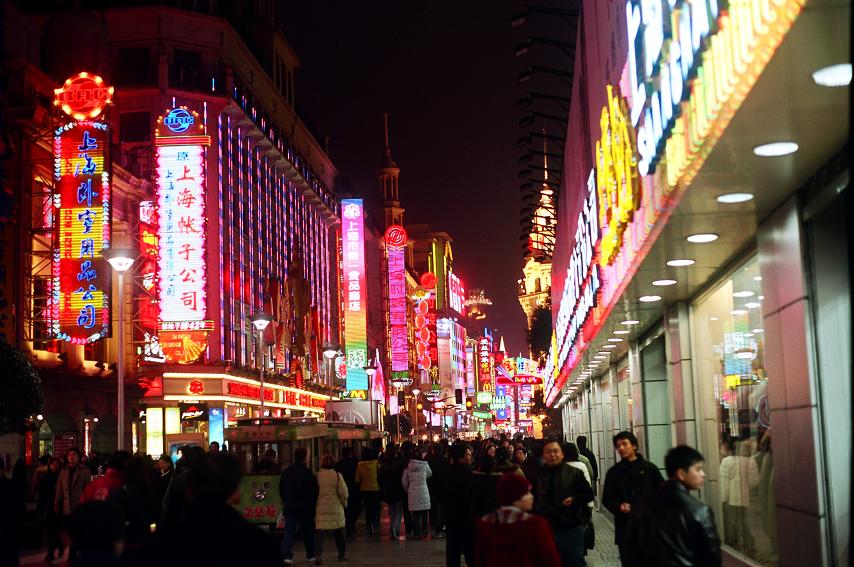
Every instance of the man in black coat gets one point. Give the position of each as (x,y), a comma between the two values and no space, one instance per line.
(561,497)
(347,467)
(673,528)
(437,486)
(298,489)
(627,484)
(584,450)
(459,531)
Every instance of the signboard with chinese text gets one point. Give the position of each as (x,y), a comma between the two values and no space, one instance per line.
(355,298)
(395,237)
(456,294)
(259,502)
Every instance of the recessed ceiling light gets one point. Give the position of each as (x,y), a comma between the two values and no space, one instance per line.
(757,278)
(713,318)
(738,312)
(702,238)
(775,149)
(743,294)
(603,353)
(609,346)
(761,297)
(729,198)
(629,322)
(622,332)
(649,298)
(615,340)
(752,305)
(757,331)
(833,75)
(680,263)
(663,283)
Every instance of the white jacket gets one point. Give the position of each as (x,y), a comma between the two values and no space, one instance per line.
(415,477)
(331,497)
(738,476)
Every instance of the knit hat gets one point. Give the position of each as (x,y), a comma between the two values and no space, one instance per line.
(512,487)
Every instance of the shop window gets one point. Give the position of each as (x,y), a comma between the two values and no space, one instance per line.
(732,390)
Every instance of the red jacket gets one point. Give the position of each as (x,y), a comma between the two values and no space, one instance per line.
(101,487)
(512,538)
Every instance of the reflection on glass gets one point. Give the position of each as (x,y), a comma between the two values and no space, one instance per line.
(734,401)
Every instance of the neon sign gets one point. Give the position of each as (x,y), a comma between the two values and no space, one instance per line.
(486,362)
(355,294)
(456,293)
(178,120)
(79,302)
(395,237)
(83,96)
(422,334)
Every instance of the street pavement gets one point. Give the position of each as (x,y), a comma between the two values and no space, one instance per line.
(367,551)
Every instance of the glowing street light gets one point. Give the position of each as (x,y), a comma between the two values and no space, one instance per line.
(121,261)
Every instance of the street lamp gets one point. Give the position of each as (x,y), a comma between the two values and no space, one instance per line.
(260,321)
(121,261)
(415,392)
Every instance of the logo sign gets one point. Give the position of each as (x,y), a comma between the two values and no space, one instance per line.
(484,398)
(83,96)
(178,120)
(355,298)
(196,387)
(395,236)
(193,412)
(480,414)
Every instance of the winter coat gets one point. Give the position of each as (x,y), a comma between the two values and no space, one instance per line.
(331,500)
(629,482)
(366,476)
(738,475)
(482,497)
(46,492)
(556,484)
(580,466)
(588,465)
(459,477)
(673,529)
(70,487)
(591,458)
(414,481)
(102,487)
(390,477)
(509,537)
(438,483)
(298,490)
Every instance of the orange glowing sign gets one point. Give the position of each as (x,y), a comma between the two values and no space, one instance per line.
(83,96)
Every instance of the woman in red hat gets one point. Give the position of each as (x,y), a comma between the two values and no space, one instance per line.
(512,536)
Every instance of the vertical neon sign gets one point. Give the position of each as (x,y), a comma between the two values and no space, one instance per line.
(79,303)
(395,239)
(355,294)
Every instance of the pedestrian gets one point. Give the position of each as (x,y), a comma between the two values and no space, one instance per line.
(11,504)
(438,486)
(102,487)
(482,496)
(269,464)
(533,464)
(511,536)
(178,494)
(166,472)
(584,451)
(213,447)
(138,508)
(390,477)
(739,475)
(331,501)
(673,527)
(369,489)
(347,467)
(627,484)
(72,482)
(571,448)
(571,456)
(460,538)
(45,494)
(561,497)
(298,489)
(503,464)
(519,457)
(414,480)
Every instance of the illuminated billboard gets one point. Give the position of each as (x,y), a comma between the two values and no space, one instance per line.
(355,293)
(395,239)
(456,294)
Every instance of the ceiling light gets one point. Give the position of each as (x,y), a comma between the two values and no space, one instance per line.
(730,198)
(761,297)
(775,149)
(713,318)
(702,238)
(738,312)
(752,305)
(743,294)
(621,332)
(757,331)
(609,346)
(833,75)
(603,353)
(680,263)
(649,298)
(615,340)
(757,278)
(663,283)
(629,322)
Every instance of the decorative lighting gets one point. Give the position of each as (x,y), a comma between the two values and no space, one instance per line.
(615,340)
(761,297)
(702,238)
(603,353)
(260,321)
(744,293)
(629,322)
(757,278)
(649,298)
(833,75)
(729,198)
(680,263)
(120,260)
(609,346)
(621,332)
(775,149)
(713,318)
(662,283)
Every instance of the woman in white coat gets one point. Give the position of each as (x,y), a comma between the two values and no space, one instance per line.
(331,501)
(414,479)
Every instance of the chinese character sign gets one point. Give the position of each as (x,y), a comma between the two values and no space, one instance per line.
(79,304)
(354,293)
(456,293)
(397,300)
(182,273)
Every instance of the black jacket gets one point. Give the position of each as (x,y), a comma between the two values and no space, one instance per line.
(592,458)
(482,497)
(556,484)
(298,490)
(673,529)
(390,478)
(459,477)
(632,483)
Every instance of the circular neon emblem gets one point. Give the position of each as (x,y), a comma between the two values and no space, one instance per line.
(178,120)
(395,236)
(83,96)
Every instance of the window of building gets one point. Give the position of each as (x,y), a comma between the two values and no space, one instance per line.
(135,67)
(135,127)
(732,390)
(185,71)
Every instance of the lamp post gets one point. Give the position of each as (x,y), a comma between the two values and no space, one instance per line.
(121,261)
(260,321)
(415,392)
(329,353)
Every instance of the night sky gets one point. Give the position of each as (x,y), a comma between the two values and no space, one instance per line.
(446,74)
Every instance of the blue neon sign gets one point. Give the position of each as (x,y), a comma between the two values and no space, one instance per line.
(178,120)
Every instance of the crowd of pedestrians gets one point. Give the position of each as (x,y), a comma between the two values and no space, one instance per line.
(495,502)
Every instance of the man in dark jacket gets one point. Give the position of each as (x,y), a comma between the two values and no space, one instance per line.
(673,528)
(460,538)
(437,485)
(627,484)
(298,489)
(562,496)
(347,467)
(585,451)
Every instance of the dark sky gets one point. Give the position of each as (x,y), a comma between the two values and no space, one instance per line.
(445,71)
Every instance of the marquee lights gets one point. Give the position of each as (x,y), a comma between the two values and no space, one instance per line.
(395,238)
(79,301)
(355,294)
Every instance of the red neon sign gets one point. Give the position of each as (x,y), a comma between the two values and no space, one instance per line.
(83,96)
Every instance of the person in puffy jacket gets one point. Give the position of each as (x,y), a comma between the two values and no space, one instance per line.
(369,488)
(511,536)
(414,480)
(331,501)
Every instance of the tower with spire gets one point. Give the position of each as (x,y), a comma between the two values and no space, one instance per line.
(387,182)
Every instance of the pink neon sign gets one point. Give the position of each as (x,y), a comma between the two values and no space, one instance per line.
(397,298)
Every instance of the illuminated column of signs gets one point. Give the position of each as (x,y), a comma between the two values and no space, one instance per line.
(422,334)
(395,239)
(147,309)
(182,271)
(456,293)
(355,294)
(485,362)
(79,303)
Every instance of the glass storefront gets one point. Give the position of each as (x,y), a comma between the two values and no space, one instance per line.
(733,403)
